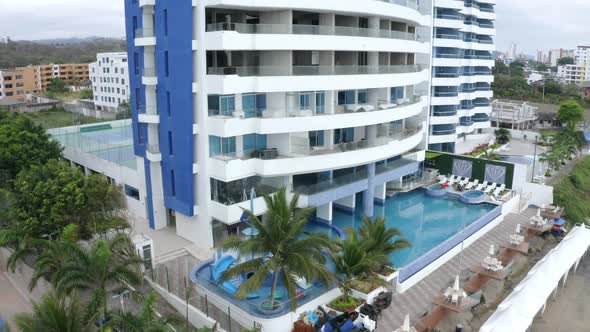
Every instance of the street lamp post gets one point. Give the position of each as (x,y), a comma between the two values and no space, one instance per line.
(534,159)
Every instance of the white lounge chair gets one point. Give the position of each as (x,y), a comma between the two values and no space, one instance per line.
(490,188)
(482,186)
(499,190)
(473,184)
(452,180)
(464,181)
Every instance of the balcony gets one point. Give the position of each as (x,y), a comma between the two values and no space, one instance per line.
(278,121)
(300,29)
(268,79)
(145,37)
(150,115)
(313,70)
(152,153)
(143,3)
(301,158)
(149,76)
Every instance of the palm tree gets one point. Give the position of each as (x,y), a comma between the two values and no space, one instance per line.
(54,255)
(54,313)
(19,242)
(381,241)
(147,320)
(281,248)
(109,266)
(489,154)
(353,261)
(502,136)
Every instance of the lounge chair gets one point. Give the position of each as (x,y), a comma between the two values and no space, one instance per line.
(490,188)
(482,186)
(499,190)
(473,184)
(452,180)
(465,181)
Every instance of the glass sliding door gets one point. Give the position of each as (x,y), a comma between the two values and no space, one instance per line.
(320,102)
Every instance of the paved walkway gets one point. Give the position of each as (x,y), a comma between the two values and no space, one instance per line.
(570,310)
(11,300)
(417,301)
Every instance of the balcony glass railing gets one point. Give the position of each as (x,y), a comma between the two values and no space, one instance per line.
(300,147)
(338,109)
(480,119)
(449,17)
(313,70)
(446,75)
(447,36)
(149,110)
(443,132)
(446,93)
(144,33)
(149,72)
(444,113)
(153,148)
(300,29)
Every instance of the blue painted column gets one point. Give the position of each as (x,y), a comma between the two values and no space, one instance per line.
(369,194)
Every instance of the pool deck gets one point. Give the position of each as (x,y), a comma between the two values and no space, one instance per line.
(418,300)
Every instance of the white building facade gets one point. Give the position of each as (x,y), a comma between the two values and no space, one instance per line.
(577,72)
(110,81)
(464,40)
(233,99)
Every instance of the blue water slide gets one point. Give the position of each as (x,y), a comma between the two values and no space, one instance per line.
(221,266)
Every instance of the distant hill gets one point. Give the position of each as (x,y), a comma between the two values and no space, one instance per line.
(72,50)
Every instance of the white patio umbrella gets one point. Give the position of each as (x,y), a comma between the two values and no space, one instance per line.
(456,286)
(492,252)
(517,228)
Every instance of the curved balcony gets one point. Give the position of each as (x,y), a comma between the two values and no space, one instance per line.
(406,10)
(145,37)
(302,159)
(296,120)
(149,76)
(277,37)
(230,80)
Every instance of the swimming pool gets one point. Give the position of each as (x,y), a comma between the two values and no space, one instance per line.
(424,221)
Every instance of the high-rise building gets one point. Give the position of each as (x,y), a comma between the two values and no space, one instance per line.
(540,56)
(464,35)
(235,99)
(110,81)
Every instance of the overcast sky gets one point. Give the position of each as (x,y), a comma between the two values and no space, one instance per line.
(532,24)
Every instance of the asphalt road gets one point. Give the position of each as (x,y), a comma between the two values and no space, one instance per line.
(11,300)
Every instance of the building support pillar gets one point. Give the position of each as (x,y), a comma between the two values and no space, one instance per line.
(380,194)
(347,204)
(324,213)
(368,195)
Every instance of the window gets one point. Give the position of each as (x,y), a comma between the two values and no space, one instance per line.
(123,81)
(222,105)
(316,138)
(166,22)
(222,146)
(166,66)
(168,108)
(320,102)
(116,70)
(131,192)
(362,96)
(134,25)
(254,142)
(305,101)
(397,93)
(344,135)
(172,183)
(170,147)
(253,105)
(136,62)
(346,97)
(137,97)
(123,69)
(140,138)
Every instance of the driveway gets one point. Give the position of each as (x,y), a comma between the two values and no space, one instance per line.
(11,300)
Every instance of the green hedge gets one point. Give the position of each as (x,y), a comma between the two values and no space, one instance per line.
(573,193)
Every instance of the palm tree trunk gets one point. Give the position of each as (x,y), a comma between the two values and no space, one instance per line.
(273,290)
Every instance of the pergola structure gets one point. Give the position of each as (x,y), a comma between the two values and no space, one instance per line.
(516,115)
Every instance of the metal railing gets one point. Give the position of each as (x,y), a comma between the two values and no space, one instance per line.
(313,70)
(301,29)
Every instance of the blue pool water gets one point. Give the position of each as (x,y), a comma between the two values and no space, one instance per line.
(424,221)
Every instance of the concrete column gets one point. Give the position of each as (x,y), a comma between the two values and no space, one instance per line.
(240,146)
(160,218)
(324,213)
(347,204)
(330,99)
(329,138)
(371,135)
(380,194)
(368,195)
(238,102)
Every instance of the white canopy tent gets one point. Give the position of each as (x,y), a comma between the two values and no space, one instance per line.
(517,311)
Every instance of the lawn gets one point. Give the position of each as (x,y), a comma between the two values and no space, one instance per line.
(58,117)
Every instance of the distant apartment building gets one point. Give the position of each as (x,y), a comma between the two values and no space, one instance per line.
(578,72)
(572,74)
(16,84)
(462,64)
(110,81)
(72,73)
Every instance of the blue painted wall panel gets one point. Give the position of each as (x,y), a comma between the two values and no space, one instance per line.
(174,63)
